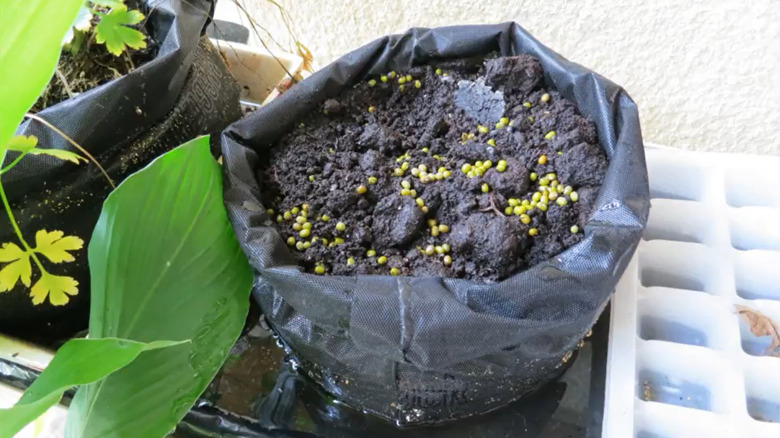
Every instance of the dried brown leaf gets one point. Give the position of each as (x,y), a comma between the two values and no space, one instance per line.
(761,325)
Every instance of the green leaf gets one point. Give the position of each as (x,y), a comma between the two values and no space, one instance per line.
(30,42)
(59,153)
(112,30)
(55,245)
(109,3)
(22,143)
(164,264)
(18,267)
(83,22)
(78,362)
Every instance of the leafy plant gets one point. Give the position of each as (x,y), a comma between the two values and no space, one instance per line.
(23,23)
(112,28)
(164,265)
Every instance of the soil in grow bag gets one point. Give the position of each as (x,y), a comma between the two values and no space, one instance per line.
(84,64)
(404,174)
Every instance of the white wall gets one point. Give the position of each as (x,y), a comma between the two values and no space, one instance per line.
(705,74)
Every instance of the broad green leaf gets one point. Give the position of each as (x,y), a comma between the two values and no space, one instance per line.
(17,269)
(78,362)
(109,3)
(112,30)
(164,264)
(55,245)
(31,32)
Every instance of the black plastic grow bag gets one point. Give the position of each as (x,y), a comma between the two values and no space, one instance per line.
(426,349)
(184,92)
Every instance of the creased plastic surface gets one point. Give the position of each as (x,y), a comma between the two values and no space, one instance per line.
(429,349)
(184,92)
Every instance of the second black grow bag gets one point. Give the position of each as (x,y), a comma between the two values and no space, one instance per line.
(185,91)
(426,349)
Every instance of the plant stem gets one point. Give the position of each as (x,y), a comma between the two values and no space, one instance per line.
(18,232)
(75,145)
(64,81)
(13,163)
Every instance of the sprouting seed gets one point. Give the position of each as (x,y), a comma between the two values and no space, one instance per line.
(574,229)
(406,192)
(381,260)
(300,246)
(533,232)
(485,187)
(370,253)
(413,193)
(447,260)
(415,171)
(408,78)
(487,164)
(338,240)
(279,218)
(536,196)
(361,189)
(513,202)
(482,129)
(425,209)
(324,241)
(402,80)
(371,82)
(527,104)
(287,215)
(291,240)
(417,84)
(491,142)
(429,250)
(401,87)
(561,201)
(542,159)
(372,180)
(304,232)
(341,226)
(371,109)
(541,206)
(504,121)
(295,210)
(391,75)
(383,78)
(297,227)
(574,196)
(553,195)
(405,165)
(545,97)
(438,71)
(300,219)
(531,119)
(311,178)
(425,149)
(549,135)
(398,171)
(508,210)
(567,190)
(518,210)
(319,270)
(446,247)
(438,249)
(351,260)
(394,271)
(444,228)
(406,184)
(524,218)
(435,231)
(532,176)
(419,202)
(501,166)
(306,226)
(304,206)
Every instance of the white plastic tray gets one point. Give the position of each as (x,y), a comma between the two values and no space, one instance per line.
(681,362)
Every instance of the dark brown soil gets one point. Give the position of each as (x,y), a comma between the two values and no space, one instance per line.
(372,130)
(93,65)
